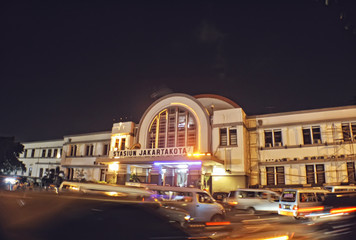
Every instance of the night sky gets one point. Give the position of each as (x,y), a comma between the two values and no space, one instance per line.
(73,67)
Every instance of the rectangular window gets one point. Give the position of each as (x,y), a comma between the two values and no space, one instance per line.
(25,153)
(315,174)
(181,128)
(270,175)
(307,136)
(273,138)
(268,139)
(73,150)
(33,153)
(41,172)
(275,175)
(152,136)
(106,149)
(87,149)
(161,130)
(43,153)
(49,153)
(123,144)
(116,145)
(55,152)
(280,175)
(91,150)
(348,131)
(351,172)
(233,136)
(30,172)
(171,135)
(310,174)
(223,137)
(277,137)
(191,131)
(316,134)
(312,135)
(320,173)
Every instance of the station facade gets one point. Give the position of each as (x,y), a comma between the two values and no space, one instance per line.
(208,141)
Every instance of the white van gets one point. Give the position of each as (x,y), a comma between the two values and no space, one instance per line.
(298,203)
(200,204)
(253,200)
(131,193)
(340,188)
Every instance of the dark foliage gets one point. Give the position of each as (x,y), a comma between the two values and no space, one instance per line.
(9,153)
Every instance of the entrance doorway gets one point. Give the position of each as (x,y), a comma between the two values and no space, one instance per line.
(175,175)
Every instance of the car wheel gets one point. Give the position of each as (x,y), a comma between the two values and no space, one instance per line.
(251,210)
(217,218)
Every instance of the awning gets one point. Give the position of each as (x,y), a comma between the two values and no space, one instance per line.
(206,160)
(85,166)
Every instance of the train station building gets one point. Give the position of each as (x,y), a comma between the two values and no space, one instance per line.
(208,141)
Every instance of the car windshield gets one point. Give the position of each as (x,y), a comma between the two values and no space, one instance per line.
(288,196)
(163,195)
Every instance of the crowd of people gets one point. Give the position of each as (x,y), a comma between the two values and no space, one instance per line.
(50,180)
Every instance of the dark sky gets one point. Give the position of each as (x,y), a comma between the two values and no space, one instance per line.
(71,67)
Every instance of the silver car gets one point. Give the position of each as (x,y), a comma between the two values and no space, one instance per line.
(200,204)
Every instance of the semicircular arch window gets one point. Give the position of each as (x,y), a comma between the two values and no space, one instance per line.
(172,127)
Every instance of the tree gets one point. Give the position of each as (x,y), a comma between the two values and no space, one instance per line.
(9,153)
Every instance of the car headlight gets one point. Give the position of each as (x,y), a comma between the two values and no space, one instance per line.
(187,217)
(10,180)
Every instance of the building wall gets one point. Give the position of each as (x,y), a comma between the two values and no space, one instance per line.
(82,164)
(234,155)
(227,183)
(293,154)
(34,163)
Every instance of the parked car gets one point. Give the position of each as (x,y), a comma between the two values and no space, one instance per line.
(253,200)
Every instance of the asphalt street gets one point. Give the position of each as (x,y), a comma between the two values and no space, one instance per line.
(44,215)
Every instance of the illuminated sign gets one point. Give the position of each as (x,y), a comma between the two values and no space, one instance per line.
(153,152)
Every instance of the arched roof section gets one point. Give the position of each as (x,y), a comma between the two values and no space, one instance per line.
(183,101)
(216,102)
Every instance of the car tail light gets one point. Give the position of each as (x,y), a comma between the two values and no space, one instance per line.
(311,209)
(342,210)
(217,223)
(295,207)
(233,203)
(280,205)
